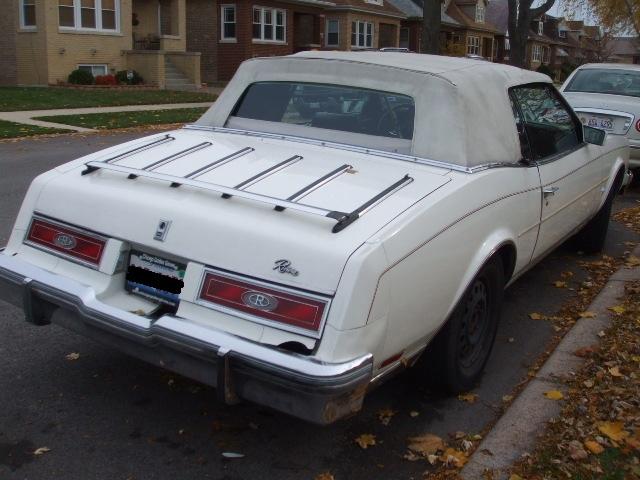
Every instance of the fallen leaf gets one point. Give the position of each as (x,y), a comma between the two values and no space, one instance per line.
(586,351)
(385,415)
(560,284)
(426,444)
(587,315)
(588,383)
(72,356)
(615,371)
(515,476)
(614,430)
(554,395)
(507,398)
(468,397)
(618,309)
(511,340)
(412,457)
(432,459)
(466,445)
(453,458)
(633,442)
(366,440)
(576,452)
(536,316)
(41,450)
(632,261)
(324,476)
(413,413)
(594,447)
(601,333)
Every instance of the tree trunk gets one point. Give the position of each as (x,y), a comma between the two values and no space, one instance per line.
(431,18)
(518,53)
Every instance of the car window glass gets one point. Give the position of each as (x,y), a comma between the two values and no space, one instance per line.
(522,135)
(333,107)
(549,125)
(610,81)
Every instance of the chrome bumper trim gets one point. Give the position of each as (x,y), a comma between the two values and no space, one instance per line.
(240,369)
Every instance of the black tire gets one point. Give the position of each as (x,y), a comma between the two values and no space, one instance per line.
(591,238)
(461,349)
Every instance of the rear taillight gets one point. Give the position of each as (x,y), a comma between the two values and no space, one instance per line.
(66,241)
(292,309)
(638,125)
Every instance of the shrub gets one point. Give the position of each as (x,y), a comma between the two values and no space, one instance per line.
(106,80)
(566,68)
(122,77)
(81,77)
(546,70)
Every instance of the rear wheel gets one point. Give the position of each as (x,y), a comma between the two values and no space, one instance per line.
(461,349)
(591,238)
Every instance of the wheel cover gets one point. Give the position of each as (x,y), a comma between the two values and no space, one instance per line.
(475,326)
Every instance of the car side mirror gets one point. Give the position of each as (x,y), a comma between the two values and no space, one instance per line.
(593,135)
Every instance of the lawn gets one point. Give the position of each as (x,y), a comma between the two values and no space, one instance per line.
(13,130)
(106,121)
(41,98)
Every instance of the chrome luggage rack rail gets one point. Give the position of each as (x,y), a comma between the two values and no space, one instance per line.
(343,219)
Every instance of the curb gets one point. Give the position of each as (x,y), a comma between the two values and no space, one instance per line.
(515,433)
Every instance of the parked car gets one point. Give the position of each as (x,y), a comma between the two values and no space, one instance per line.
(607,96)
(328,219)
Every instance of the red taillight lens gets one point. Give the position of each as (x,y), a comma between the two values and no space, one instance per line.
(638,125)
(66,240)
(296,310)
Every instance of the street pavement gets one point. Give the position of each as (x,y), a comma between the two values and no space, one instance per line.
(108,416)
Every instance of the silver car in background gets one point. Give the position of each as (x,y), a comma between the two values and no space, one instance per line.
(607,96)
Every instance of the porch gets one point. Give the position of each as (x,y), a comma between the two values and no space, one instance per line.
(159,45)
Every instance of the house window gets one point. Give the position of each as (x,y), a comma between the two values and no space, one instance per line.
(27,13)
(101,15)
(545,54)
(537,53)
(480,13)
(95,70)
(404,38)
(562,34)
(228,27)
(362,34)
(333,33)
(540,27)
(473,45)
(269,24)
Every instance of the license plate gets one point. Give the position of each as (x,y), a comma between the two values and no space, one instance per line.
(155,277)
(602,123)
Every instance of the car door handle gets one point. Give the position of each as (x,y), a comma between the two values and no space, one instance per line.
(549,191)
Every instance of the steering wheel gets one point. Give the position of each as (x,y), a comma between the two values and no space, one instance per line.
(397,111)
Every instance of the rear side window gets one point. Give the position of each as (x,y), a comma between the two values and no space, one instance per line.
(606,80)
(332,107)
(549,125)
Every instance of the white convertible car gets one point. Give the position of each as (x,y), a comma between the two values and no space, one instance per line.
(328,219)
(607,96)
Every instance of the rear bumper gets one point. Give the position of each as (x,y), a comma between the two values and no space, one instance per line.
(634,154)
(240,369)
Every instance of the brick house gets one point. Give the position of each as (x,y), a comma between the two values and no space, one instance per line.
(46,39)
(624,50)
(227,32)
(464,30)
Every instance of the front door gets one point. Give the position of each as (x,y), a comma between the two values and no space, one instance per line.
(569,178)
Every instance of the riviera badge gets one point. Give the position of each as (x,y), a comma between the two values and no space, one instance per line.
(259,300)
(284,266)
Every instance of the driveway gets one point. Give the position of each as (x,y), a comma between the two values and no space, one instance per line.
(108,416)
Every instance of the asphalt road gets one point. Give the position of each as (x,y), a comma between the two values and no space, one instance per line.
(108,416)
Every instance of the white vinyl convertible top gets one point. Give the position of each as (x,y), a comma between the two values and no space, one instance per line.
(463,114)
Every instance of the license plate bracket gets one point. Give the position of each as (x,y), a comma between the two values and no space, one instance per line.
(155,277)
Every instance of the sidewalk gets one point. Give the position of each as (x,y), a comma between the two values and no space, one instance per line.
(27,117)
(516,431)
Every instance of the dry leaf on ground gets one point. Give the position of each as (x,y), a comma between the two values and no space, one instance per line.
(41,450)
(594,447)
(468,397)
(614,430)
(453,458)
(426,444)
(72,356)
(366,440)
(554,395)
(324,476)
(536,316)
(385,415)
(587,315)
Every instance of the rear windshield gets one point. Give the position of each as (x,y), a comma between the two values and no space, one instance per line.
(331,107)
(611,81)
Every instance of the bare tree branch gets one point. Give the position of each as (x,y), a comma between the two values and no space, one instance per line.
(545,7)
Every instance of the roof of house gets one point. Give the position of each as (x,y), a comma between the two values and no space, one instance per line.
(625,45)
(413,9)
(384,8)
(498,14)
(458,15)
(575,24)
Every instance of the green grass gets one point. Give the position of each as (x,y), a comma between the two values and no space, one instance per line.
(42,98)
(13,130)
(107,121)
